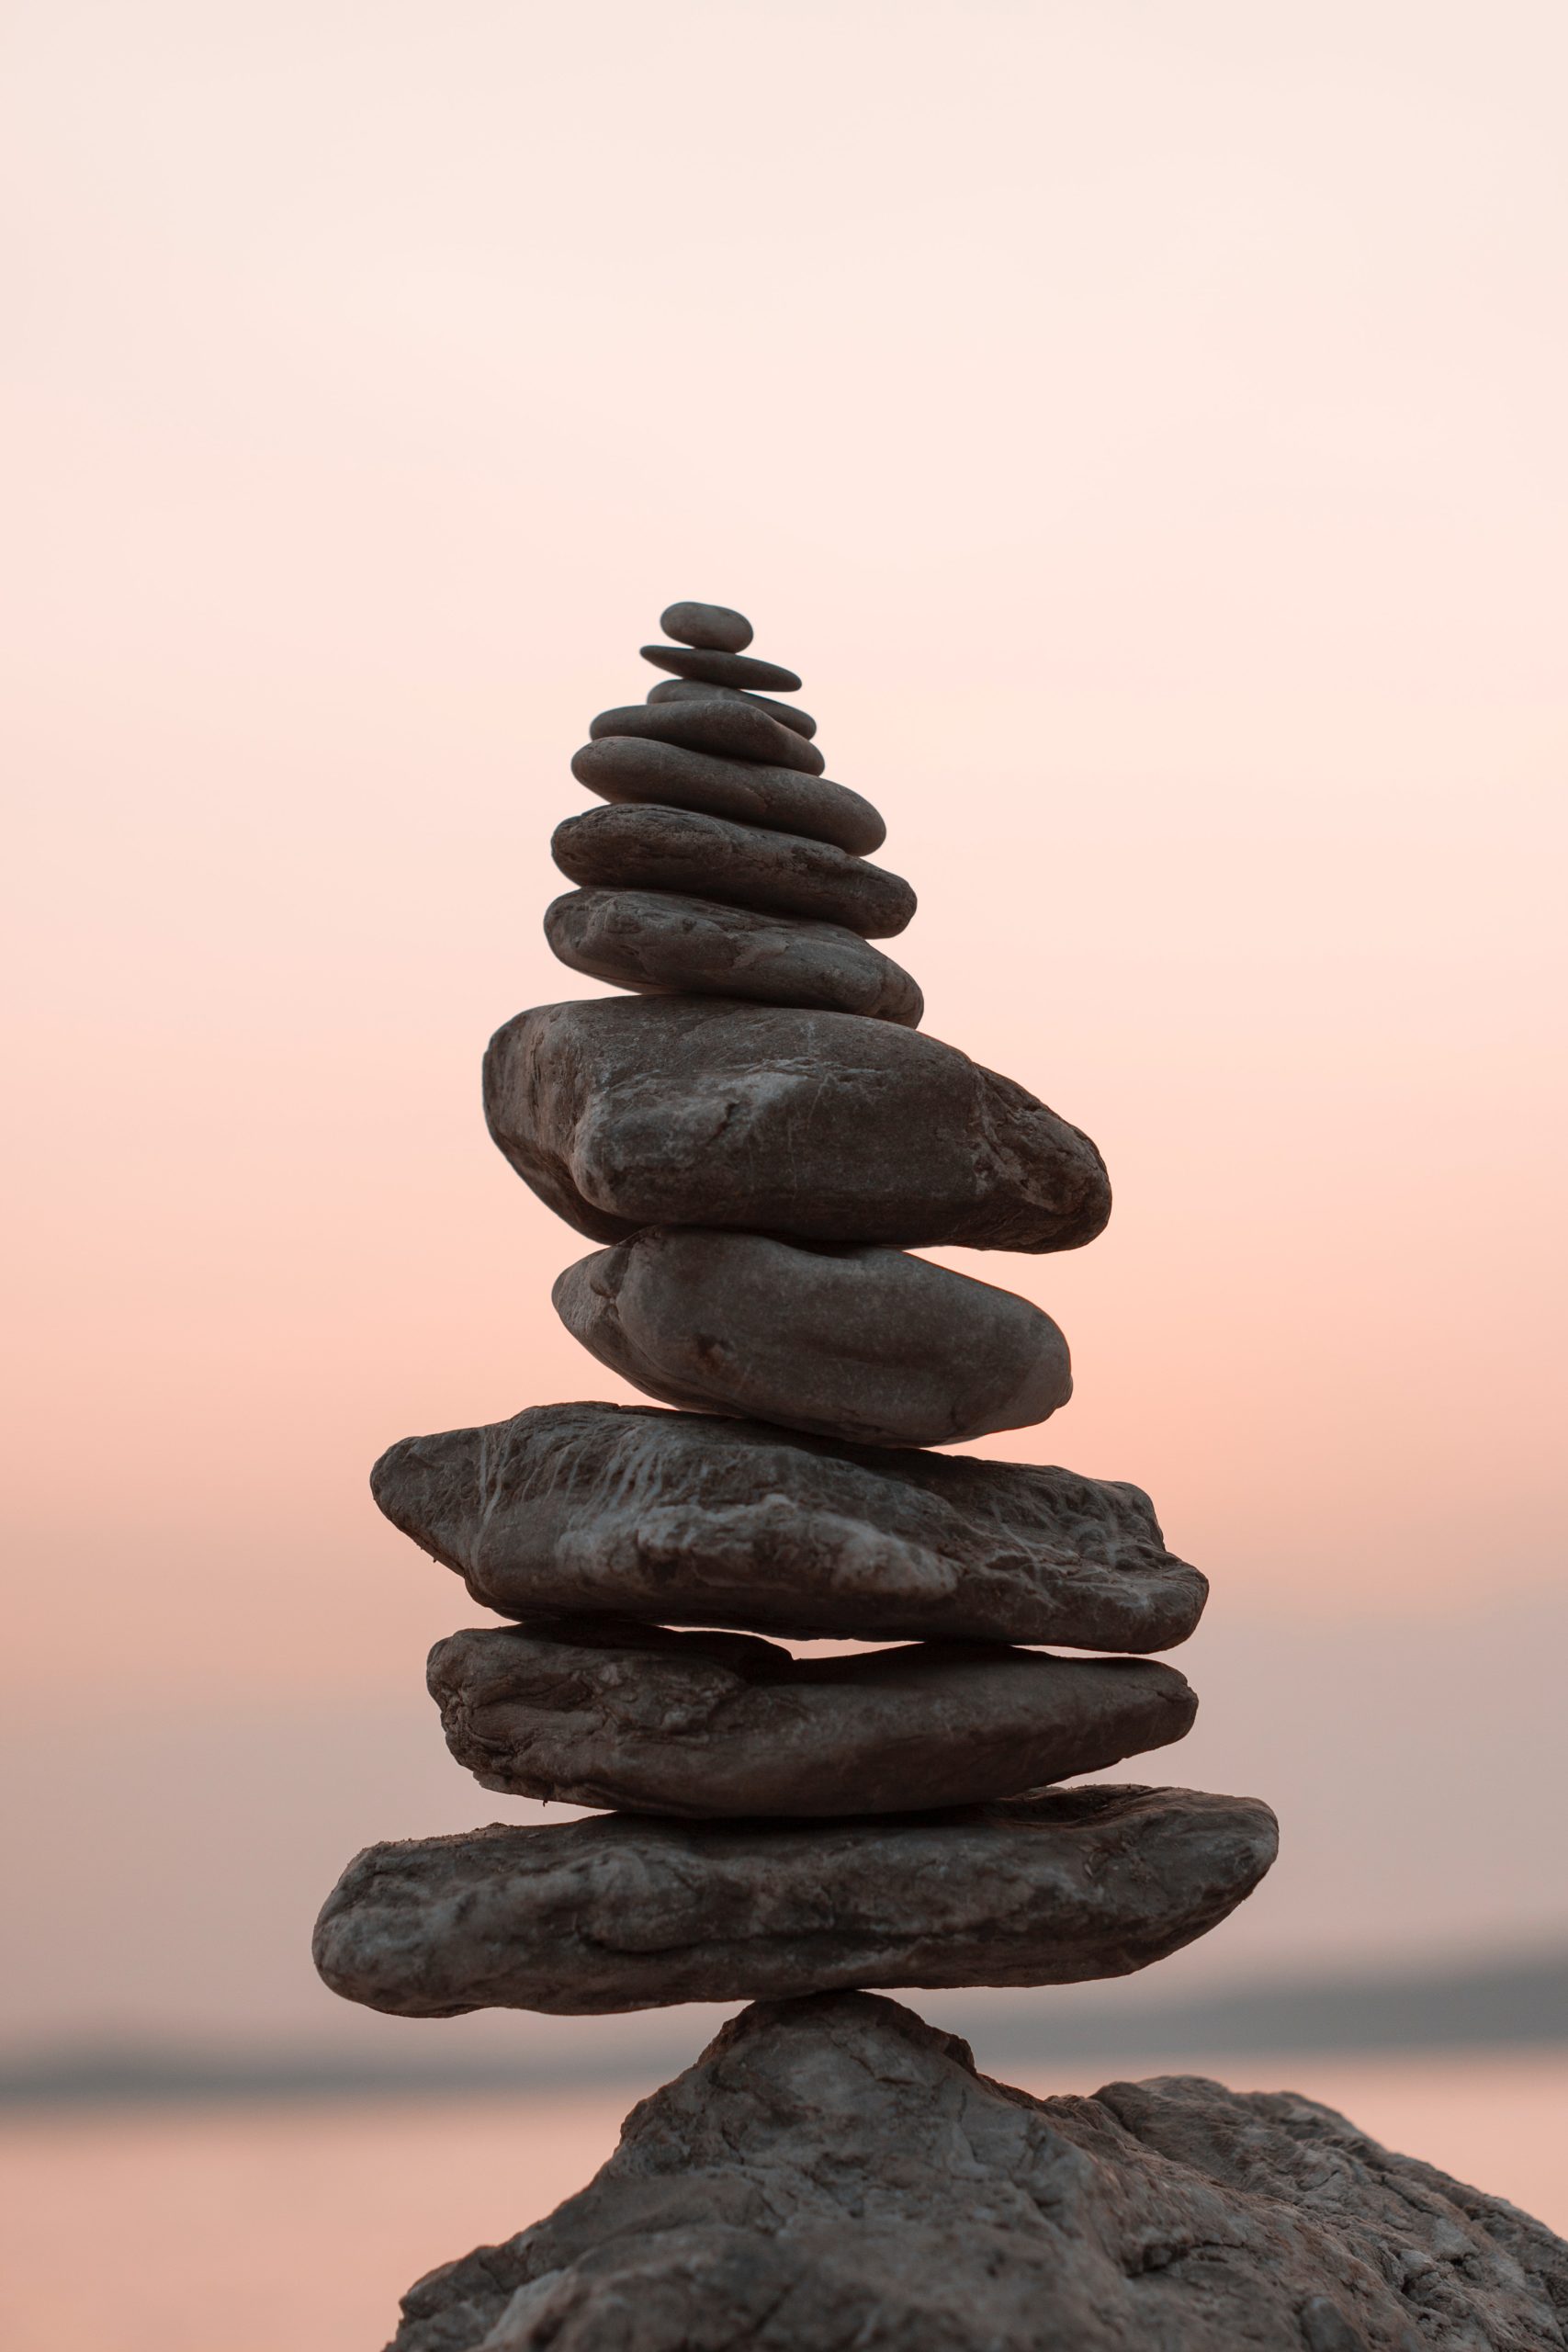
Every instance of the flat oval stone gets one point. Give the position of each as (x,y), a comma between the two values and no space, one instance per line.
(624,1912)
(749,792)
(722,669)
(625,1112)
(865,1345)
(583,1711)
(719,628)
(734,729)
(687,1519)
(641,847)
(693,690)
(661,944)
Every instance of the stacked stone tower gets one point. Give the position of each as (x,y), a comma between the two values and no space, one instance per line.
(758,1134)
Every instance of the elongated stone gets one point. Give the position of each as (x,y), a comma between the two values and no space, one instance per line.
(662,946)
(710,857)
(732,729)
(865,1345)
(722,669)
(694,690)
(625,1912)
(749,792)
(717,627)
(580,1711)
(686,1520)
(626,1112)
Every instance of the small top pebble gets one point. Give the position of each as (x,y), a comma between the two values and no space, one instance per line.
(714,628)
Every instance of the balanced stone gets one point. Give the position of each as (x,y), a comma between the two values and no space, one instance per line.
(834,2173)
(582,1710)
(693,690)
(749,792)
(687,1519)
(732,728)
(845,1341)
(626,1112)
(716,627)
(681,849)
(623,1911)
(662,944)
(722,669)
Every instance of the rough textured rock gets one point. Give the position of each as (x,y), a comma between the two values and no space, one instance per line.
(717,627)
(722,669)
(693,690)
(681,849)
(728,726)
(662,944)
(857,1343)
(622,1112)
(680,1518)
(749,792)
(582,1710)
(832,2174)
(626,1911)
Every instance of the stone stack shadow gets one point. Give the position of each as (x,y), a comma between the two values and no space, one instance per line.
(757,1135)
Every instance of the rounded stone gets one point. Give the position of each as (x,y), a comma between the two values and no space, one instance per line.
(638,846)
(734,729)
(749,792)
(867,1346)
(580,1711)
(663,946)
(693,690)
(722,669)
(716,628)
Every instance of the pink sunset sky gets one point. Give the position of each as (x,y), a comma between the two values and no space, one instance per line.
(1143,427)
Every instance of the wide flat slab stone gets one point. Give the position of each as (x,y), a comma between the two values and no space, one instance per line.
(638,848)
(833,2173)
(747,791)
(686,1520)
(622,1112)
(662,944)
(627,1911)
(844,1341)
(580,1710)
(725,725)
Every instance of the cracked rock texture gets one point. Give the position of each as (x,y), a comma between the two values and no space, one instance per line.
(693,1520)
(622,1112)
(862,1344)
(586,1711)
(749,792)
(743,865)
(832,2176)
(661,944)
(630,1911)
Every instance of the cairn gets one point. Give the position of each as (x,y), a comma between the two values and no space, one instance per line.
(759,1133)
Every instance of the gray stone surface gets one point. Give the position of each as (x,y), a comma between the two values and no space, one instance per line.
(717,627)
(662,944)
(863,1344)
(694,690)
(629,1911)
(583,1711)
(625,1112)
(722,669)
(710,857)
(729,727)
(687,1519)
(833,2176)
(749,792)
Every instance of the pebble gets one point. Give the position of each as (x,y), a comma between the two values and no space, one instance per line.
(749,792)
(636,846)
(733,729)
(715,628)
(692,690)
(722,669)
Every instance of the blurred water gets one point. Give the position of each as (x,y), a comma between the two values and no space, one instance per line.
(248,2229)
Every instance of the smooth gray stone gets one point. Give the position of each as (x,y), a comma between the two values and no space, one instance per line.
(664,945)
(718,628)
(834,2174)
(744,866)
(693,690)
(749,792)
(862,1344)
(626,1911)
(687,1519)
(625,1112)
(722,669)
(583,1711)
(732,729)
